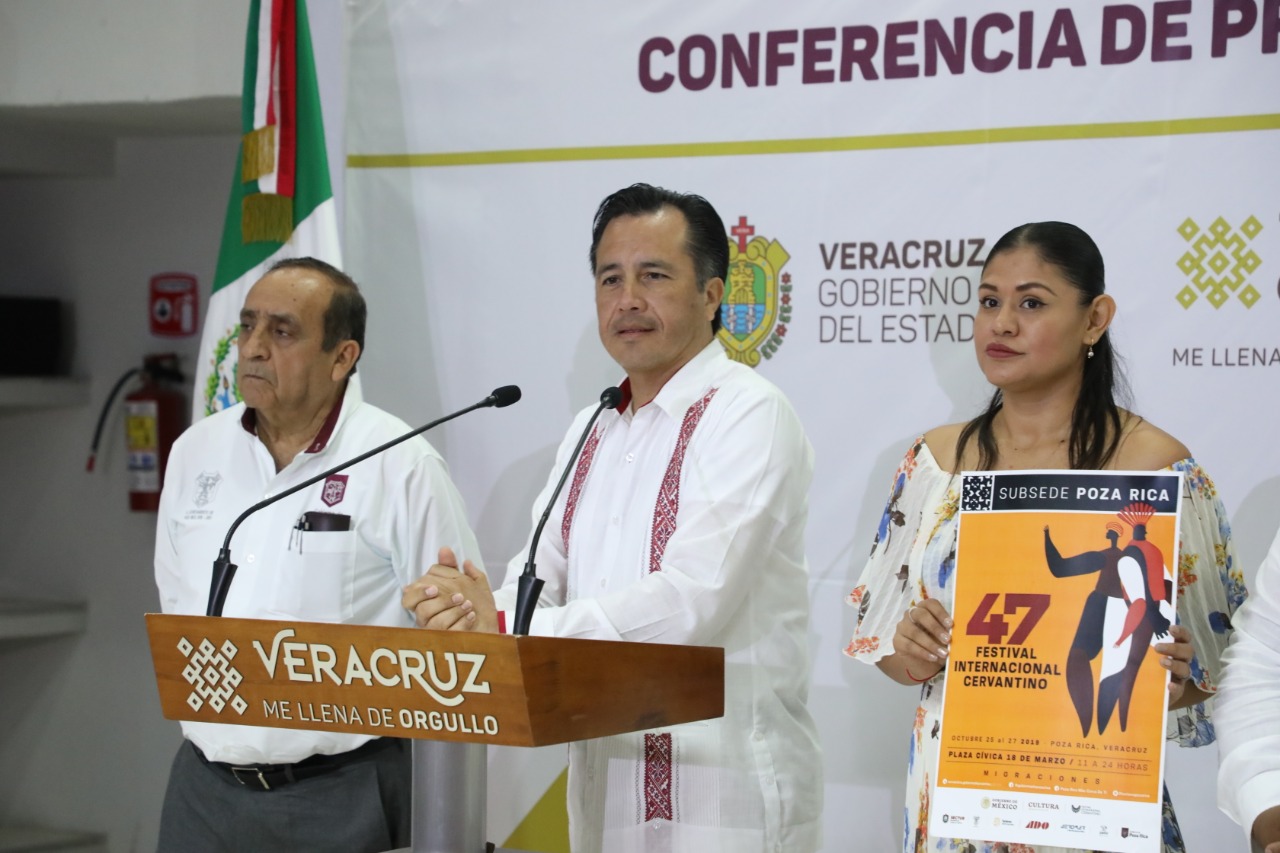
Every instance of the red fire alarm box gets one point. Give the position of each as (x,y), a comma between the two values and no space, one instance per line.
(173,305)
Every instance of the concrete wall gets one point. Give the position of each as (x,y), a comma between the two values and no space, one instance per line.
(81,736)
(82,741)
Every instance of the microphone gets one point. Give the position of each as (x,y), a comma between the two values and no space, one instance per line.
(530,585)
(224,571)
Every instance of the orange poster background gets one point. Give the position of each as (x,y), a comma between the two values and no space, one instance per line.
(1018,738)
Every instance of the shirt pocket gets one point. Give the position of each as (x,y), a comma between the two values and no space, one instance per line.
(317,576)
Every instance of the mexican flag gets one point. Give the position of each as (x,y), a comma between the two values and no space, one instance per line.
(281,203)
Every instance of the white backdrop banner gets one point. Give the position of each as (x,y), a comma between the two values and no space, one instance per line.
(864,156)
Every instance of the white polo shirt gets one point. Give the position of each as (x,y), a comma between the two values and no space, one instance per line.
(402,508)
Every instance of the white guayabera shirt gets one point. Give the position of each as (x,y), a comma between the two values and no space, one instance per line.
(1249,702)
(686,525)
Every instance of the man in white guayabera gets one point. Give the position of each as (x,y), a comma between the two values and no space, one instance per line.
(683,523)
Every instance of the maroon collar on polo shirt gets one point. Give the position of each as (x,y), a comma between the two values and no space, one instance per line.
(249,420)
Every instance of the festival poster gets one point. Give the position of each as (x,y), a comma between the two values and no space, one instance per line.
(1054,704)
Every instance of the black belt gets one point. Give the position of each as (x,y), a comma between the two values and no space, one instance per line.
(266,777)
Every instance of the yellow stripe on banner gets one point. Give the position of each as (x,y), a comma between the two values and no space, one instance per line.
(986,136)
(546,826)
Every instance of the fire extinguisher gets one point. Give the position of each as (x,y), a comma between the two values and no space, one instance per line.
(154,418)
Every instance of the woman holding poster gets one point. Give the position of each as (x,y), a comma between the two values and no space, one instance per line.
(1041,339)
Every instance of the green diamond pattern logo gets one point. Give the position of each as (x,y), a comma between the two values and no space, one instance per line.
(1219,262)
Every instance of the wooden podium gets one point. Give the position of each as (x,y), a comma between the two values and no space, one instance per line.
(448,688)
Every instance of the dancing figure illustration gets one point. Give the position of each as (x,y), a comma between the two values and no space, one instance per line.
(1130,605)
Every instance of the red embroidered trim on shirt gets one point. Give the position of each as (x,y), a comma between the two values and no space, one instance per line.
(657,777)
(659,780)
(664,512)
(575,488)
(659,804)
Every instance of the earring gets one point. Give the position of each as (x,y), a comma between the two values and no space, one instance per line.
(1090,353)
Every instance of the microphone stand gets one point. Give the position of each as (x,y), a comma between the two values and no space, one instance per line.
(446,815)
(224,571)
(529,586)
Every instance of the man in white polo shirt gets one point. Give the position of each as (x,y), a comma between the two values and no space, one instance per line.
(338,551)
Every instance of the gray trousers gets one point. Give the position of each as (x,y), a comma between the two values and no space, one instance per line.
(360,807)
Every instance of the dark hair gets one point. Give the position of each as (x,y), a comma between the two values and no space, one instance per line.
(706,241)
(1095,420)
(345,318)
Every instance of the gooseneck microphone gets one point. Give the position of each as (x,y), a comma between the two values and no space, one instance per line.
(224,571)
(530,585)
